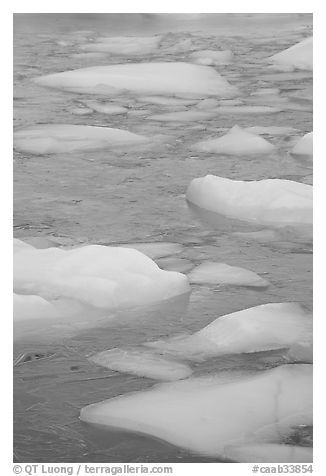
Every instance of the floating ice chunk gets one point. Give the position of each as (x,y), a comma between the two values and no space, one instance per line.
(166,101)
(125,45)
(304,146)
(175,264)
(177,79)
(142,363)
(99,276)
(273,201)
(106,108)
(81,111)
(237,142)
(207,415)
(221,273)
(208,103)
(299,56)
(260,328)
(271,130)
(266,91)
(183,116)
(211,57)
(247,110)
(269,453)
(157,249)
(64,138)
(88,55)
(29,307)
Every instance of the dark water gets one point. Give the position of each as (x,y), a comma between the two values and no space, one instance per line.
(103,197)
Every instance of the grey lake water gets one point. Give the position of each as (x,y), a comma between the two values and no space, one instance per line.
(138,195)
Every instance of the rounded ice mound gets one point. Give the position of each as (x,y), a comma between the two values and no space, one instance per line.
(237,142)
(221,273)
(211,57)
(299,56)
(271,201)
(304,146)
(173,79)
(64,138)
(142,363)
(99,276)
(124,45)
(206,415)
(266,327)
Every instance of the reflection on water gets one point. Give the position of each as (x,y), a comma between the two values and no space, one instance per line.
(103,197)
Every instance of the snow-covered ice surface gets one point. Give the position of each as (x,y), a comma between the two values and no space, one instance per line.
(298,56)
(117,196)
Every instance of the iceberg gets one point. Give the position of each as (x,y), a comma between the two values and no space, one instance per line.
(172,79)
(211,57)
(207,415)
(271,201)
(141,363)
(65,138)
(236,142)
(99,276)
(269,453)
(221,273)
(299,56)
(304,146)
(124,45)
(265,327)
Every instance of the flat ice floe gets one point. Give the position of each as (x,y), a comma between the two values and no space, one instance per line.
(269,453)
(247,109)
(64,138)
(183,116)
(271,130)
(124,45)
(142,363)
(304,146)
(221,273)
(266,327)
(173,79)
(99,276)
(211,57)
(271,201)
(207,415)
(299,56)
(236,142)
(106,107)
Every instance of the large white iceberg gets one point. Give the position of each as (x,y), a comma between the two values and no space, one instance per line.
(207,415)
(304,146)
(266,327)
(99,276)
(29,307)
(222,273)
(174,79)
(124,45)
(142,363)
(271,201)
(64,138)
(299,56)
(237,142)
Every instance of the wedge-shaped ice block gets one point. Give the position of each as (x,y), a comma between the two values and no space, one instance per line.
(206,415)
